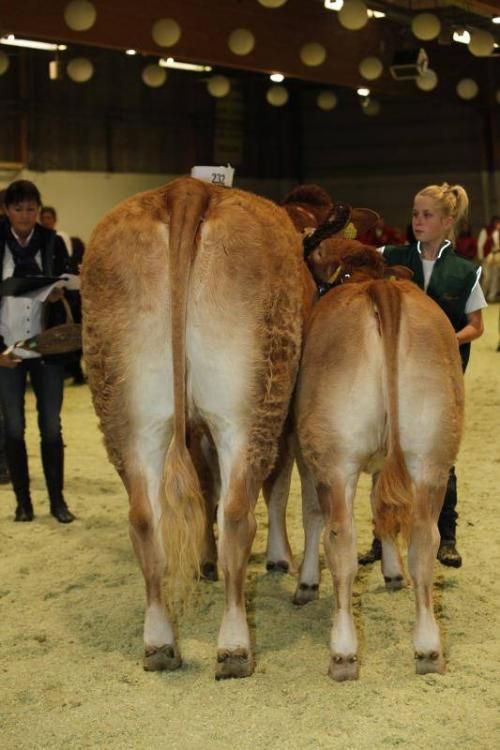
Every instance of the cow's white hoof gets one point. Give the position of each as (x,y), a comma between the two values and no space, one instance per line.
(429,662)
(344,668)
(237,663)
(159,659)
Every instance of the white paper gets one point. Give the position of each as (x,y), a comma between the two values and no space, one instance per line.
(216,175)
(68,281)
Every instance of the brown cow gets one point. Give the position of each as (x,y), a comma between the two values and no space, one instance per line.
(380,390)
(190,318)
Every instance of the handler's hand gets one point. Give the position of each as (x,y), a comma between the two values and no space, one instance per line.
(8,360)
(55,295)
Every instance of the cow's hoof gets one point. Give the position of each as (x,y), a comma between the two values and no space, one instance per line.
(344,668)
(238,663)
(305,593)
(394,583)
(429,663)
(281,566)
(209,571)
(160,659)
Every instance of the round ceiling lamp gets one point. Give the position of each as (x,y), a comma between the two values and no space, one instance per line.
(371,68)
(427,81)
(482,43)
(426,26)
(272,3)
(277,96)
(4,63)
(80,15)
(353,15)
(218,86)
(80,70)
(467,89)
(166,32)
(154,76)
(371,107)
(313,54)
(326,100)
(241,41)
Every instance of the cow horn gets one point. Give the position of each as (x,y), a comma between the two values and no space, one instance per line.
(337,220)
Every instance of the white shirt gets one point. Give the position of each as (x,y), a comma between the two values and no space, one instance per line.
(20,317)
(483,236)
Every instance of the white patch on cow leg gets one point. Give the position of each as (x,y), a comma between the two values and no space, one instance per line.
(312,518)
(392,565)
(422,552)
(158,631)
(276,490)
(340,548)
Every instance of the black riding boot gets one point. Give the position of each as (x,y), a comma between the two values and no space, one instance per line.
(17,461)
(447,524)
(53,468)
(373,554)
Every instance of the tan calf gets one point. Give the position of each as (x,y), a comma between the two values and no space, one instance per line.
(380,390)
(189,318)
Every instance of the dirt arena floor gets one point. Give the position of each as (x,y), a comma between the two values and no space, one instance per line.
(71,614)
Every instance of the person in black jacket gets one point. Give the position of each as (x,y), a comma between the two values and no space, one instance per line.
(28,249)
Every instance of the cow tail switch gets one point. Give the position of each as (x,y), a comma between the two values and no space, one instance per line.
(394,489)
(183,511)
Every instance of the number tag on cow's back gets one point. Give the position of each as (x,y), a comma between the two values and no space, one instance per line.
(216,175)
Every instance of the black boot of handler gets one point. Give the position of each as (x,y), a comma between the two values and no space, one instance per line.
(447,524)
(53,468)
(17,462)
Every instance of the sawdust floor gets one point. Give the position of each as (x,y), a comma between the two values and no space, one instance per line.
(71,609)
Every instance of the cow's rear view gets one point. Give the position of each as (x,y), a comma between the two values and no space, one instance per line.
(189,318)
(380,390)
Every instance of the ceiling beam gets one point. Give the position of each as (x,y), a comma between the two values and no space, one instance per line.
(279,34)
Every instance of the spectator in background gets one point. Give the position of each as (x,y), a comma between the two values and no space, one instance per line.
(4,472)
(75,248)
(27,249)
(48,219)
(466,244)
(488,253)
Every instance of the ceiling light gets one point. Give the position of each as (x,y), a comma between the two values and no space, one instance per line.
(461,36)
(277,77)
(334,4)
(131,52)
(495,19)
(375,13)
(363,92)
(169,62)
(12,41)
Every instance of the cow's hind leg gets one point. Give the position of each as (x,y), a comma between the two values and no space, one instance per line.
(309,578)
(144,484)
(336,500)
(276,489)
(392,564)
(236,524)
(424,543)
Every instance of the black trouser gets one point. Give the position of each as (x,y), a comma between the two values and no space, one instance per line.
(448,517)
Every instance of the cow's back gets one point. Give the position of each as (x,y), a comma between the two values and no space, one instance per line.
(343,377)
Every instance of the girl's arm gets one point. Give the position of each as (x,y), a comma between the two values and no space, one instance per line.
(474,328)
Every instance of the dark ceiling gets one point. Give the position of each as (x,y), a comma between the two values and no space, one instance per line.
(279,34)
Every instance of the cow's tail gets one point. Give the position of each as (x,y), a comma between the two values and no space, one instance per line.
(183,511)
(394,493)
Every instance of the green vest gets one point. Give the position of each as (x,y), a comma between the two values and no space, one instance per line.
(450,285)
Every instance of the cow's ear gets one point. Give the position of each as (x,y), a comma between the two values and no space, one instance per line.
(364,219)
